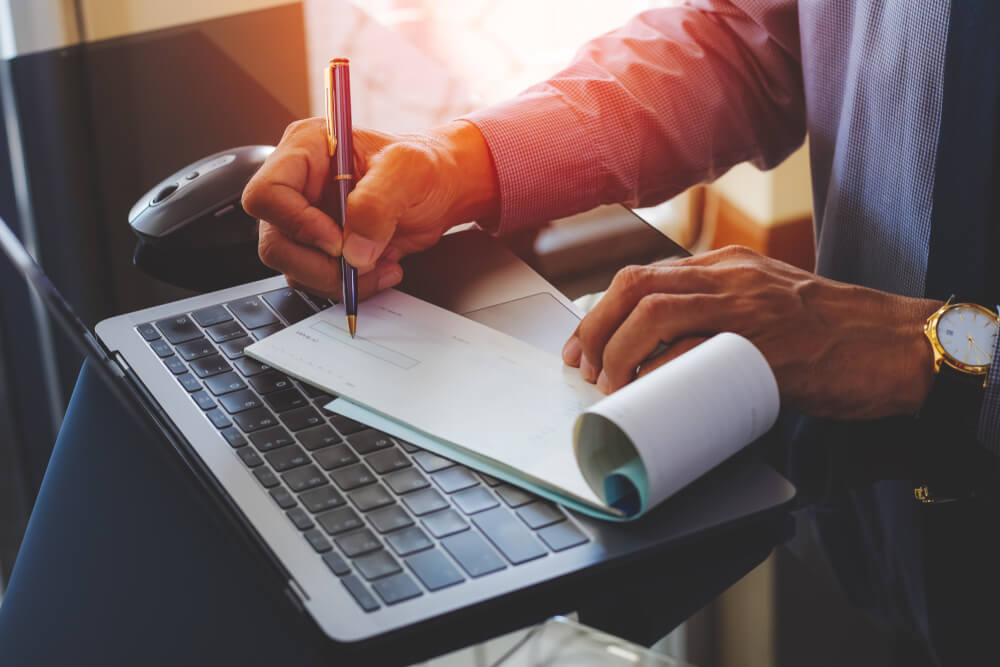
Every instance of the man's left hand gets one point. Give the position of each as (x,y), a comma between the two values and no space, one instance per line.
(837,350)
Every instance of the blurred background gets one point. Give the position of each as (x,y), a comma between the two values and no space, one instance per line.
(103,98)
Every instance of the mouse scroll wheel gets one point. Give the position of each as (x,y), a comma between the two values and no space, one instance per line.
(164,193)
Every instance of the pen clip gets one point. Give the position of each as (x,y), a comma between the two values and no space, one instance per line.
(331,137)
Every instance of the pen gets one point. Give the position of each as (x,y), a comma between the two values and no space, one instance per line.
(338,133)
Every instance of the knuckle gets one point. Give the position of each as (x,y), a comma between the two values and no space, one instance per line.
(652,307)
(629,279)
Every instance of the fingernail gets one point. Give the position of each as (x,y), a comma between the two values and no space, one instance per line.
(360,251)
(603,383)
(390,278)
(571,351)
(587,369)
(333,250)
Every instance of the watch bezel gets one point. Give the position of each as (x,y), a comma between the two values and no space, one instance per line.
(941,355)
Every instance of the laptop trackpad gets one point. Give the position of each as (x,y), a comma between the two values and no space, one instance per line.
(538,319)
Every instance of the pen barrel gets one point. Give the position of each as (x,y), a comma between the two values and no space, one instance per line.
(348,272)
(342,126)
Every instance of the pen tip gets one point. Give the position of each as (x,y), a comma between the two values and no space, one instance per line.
(352,324)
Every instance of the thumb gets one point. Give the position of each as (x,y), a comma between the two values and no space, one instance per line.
(373,211)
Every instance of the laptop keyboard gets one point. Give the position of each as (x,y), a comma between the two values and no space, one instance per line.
(391,520)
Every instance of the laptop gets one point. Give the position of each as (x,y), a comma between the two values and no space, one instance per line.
(368,533)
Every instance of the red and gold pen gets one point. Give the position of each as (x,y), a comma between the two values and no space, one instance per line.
(339,135)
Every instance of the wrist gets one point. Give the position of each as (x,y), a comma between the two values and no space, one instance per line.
(477,197)
(918,366)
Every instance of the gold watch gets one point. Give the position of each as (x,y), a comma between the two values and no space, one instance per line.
(963,337)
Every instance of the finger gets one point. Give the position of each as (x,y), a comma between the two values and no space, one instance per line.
(304,264)
(384,275)
(658,317)
(631,285)
(572,351)
(396,178)
(285,189)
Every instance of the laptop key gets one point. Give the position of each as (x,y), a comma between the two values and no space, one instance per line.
(376,565)
(315,392)
(233,437)
(207,317)
(540,514)
(255,420)
(388,460)
(218,418)
(252,312)
(292,307)
(233,349)
(343,424)
(175,365)
(444,523)
(432,462)
(434,569)
(250,457)
(287,458)
(408,541)
(209,366)
(317,438)
(513,496)
(489,479)
(340,521)
(225,383)
(271,438)
(220,333)
(271,381)
(301,479)
(318,541)
(455,479)
(424,502)
(352,477)
(472,552)
(301,418)
(195,349)
(203,400)
(408,447)
(189,382)
(287,399)
(405,481)
(562,536)
(334,457)
(336,564)
(358,543)
(476,499)
(266,477)
(284,499)
(321,499)
(178,329)
(264,332)
(397,588)
(509,535)
(240,401)
(360,593)
(368,441)
(388,519)
(148,331)
(161,348)
(248,366)
(300,518)
(371,497)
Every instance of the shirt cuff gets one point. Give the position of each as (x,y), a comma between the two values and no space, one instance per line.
(542,151)
(989,415)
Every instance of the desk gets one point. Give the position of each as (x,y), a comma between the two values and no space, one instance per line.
(122,565)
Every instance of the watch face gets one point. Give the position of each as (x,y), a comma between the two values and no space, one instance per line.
(968,335)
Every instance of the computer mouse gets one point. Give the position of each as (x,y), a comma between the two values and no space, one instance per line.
(192,230)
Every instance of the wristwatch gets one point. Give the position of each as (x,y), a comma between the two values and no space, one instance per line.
(962,337)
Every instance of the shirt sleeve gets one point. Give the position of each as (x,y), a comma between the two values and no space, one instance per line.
(989,415)
(675,97)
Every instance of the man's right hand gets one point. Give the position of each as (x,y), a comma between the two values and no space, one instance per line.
(410,190)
